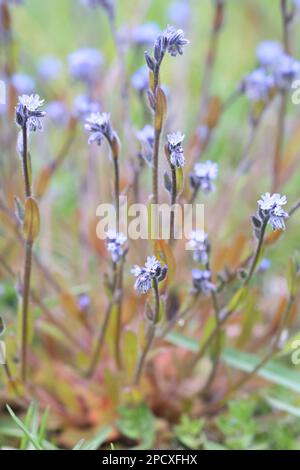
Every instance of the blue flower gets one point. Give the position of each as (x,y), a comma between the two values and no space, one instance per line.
(24,84)
(49,68)
(146,138)
(203,176)
(140,79)
(202,281)
(84,64)
(99,126)
(153,269)
(286,71)
(145,34)
(270,210)
(198,243)
(268,53)
(115,244)
(257,85)
(84,106)
(175,148)
(28,113)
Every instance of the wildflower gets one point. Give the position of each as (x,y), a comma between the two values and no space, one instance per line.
(23,84)
(171,40)
(264,265)
(49,68)
(99,126)
(84,106)
(203,176)
(198,242)
(175,148)
(179,12)
(268,53)
(286,71)
(140,79)
(202,281)
(57,112)
(146,139)
(114,243)
(257,85)
(153,269)
(270,211)
(84,64)
(28,113)
(145,33)
(84,302)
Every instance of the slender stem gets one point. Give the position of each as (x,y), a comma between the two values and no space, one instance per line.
(218,351)
(27,266)
(179,316)
(117,191)
(157,134)
(173,202)
(100,341)
(151,336)
(25,304)
(25,163)
(256,253)
(119,316)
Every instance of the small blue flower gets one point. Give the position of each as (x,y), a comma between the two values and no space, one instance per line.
(257,85)
(24,84)
(140,79)
(84,106)
(270,209)
(153,269)
(175,148)
(28,113)
(115,242)
(198,243)
(99,126)
(202,281)
(203,176)
(286,71)
(268,53)
(49,68)
(145,34)
(84,64)
(57,112)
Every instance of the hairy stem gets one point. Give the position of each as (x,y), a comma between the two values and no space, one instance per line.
(117,191)
(150,338)
(25,305)
(256,253)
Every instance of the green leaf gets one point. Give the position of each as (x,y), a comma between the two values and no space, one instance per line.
(137,423)
(283,406)
(98,440)
(272,371)
(20,424)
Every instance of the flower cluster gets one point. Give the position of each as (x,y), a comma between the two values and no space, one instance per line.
(28,113)
(171,40)
(202,281)
(270,211)
(198,243)
(175,149)
(84,64)
(203,176)
(153,270)
(140,79)
(115,242)
(258,85)
(99,126)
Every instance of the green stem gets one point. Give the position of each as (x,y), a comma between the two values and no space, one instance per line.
(151,335)
(25,304)
(173,202)
(256,253)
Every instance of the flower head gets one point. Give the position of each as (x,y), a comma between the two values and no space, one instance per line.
(268,53)
(257,85)
(84,64)
(270,210)
(203,176)
(198,243)
(202,281)
(24,84)
(140,79)
(175,148)
(287,69)
(49,68)
(115,244)
(171,40)
(99,126)
(84,106)
(153,270)
(28,113)
(145,33)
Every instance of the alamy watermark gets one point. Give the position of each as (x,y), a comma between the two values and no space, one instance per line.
(2,92)
(150,222)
